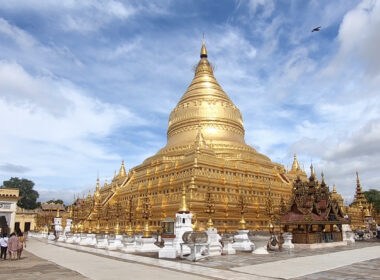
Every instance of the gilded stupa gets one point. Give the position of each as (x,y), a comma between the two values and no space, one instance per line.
(205,157)
(360,209)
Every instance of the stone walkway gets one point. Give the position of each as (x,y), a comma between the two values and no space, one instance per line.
(31,267)
(301,266)
(306,264)
(369,270)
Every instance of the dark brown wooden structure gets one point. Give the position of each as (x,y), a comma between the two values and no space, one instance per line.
(314,215)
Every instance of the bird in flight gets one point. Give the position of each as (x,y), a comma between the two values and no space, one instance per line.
(316,29)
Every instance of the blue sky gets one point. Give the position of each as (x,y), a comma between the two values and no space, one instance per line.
(85,84)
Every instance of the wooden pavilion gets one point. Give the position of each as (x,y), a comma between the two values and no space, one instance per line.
(314,216)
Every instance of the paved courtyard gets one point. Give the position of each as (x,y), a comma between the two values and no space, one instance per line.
(33,267)
(54,262)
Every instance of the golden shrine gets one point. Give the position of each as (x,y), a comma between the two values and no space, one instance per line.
(46,214)
(315,215)
(360,211)
(205,157)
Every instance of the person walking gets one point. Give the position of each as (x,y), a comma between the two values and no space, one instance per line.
(4,245)
(21,244)
(13,245)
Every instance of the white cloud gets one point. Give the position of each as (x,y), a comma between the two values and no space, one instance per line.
(18,35)
(47,143)
(264,8)
(359,39)
(86,16)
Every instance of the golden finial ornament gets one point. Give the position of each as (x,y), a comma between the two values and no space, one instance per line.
(203,49)
(58,216)
(117,213)
(271,227)
(129,217)
(97,229)
(312,172)
(366,213)
(97,188)
(146,215)
(242,206)
(295,165)
(210,205)
(122,172)
(357,178)
(183,207)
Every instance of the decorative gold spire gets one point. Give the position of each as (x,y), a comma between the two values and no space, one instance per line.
(203,50)
(357,178)
(295,165)
(242,205)
(122,172)
(367,213)
(312,173)
(323,177)
(183,208)
(97,189)
(210,207)
(58,216)
(334,189)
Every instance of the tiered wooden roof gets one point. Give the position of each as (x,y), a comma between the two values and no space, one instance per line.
(312,203)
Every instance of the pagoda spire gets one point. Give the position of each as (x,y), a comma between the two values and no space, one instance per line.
(312,173)
(295,165)
(357,178)
(203,49)
(359,196)
(97,189)
(183,208)
(122,172)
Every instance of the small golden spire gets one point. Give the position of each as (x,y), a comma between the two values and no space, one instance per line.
(312,173)
(334,189)
(122,172)
(203,49)
(366,213)
(360,205)
(183,208)
(323,177)
(357,178)
(97,188)
(58,216)
(295,165)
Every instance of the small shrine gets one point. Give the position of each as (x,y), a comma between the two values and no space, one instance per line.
(314,216)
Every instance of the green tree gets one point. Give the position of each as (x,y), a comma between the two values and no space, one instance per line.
(373,196)
(58,201)
(29,196)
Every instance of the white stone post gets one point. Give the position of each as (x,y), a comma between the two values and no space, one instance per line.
(288,237)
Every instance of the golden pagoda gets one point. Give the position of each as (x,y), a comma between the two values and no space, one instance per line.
(360,211)
(338,197)
(205,157)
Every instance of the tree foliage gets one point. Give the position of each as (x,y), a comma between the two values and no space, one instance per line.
(57,201)
(373,196)
(28,194)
